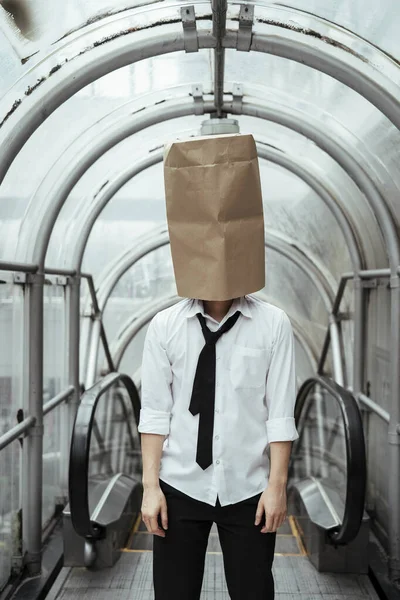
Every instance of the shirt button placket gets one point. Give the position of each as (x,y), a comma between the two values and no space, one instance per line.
(216,437)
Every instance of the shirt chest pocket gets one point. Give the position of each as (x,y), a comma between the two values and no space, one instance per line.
(247,367)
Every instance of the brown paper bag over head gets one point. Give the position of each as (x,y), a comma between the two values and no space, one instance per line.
(215,216)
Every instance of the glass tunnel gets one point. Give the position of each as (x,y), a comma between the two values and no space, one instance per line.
(90,93)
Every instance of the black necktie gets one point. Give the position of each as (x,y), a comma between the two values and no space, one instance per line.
(203,394)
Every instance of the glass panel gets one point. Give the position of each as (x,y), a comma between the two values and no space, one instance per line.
(114,446)
(85,328)
(10,526)
(11,322)
(378,469)
(52,463)
(54,340)
(374,22)
(291,289)
(304,367)
(131,362)
(54,381)
(320,451)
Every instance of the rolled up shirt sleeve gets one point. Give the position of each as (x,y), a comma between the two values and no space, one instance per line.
(156,399)
(281,386)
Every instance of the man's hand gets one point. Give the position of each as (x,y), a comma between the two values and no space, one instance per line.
(273,503)
(154,504)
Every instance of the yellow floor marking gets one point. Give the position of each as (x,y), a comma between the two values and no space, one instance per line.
(292,522)
(287,554)
(296,534)
(134,530)
(276,553)
(129,551)
(211,533)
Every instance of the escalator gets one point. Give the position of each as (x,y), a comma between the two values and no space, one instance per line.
(326,493)
(105,487)
(328,477)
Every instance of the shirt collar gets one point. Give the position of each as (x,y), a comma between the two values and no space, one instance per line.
(240,304)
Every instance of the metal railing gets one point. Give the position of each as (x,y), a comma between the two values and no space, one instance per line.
(22,429)
(332,338)
(345,278)
(24,426)
(16,432)
(80,450)
(356,472)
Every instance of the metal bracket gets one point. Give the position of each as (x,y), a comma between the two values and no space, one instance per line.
(62,280)
(17,563)
(245,33)
(395,281)
(394,437)
(190,39)
(20,278)
(369,284)
(197,93)
(36,431)
(343,316)
(237,104)
(35,278)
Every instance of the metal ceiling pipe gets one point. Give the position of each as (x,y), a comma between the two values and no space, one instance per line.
(219,10)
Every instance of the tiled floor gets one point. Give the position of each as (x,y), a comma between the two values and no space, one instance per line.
(131,577)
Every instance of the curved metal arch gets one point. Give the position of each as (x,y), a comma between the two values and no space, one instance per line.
(81,162)
(125,128)
(329,199)
(296,120)
(278,114)
(273,155)
(348,230)
(114,45)
(86,64)
(322,190)
(289,248)
(159,238)
(135,324)
(290,44)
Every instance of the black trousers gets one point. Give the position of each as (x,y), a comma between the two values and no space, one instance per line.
(178,559)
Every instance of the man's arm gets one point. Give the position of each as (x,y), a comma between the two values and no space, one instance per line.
(275,502)
(281,429)
(153,502)
(154,425)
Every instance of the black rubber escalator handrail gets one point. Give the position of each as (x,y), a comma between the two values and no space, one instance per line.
(355,455)
(80,450)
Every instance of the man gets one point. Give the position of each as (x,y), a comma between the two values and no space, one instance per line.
(218,386)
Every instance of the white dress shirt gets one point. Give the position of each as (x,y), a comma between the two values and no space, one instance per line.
(254,397)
